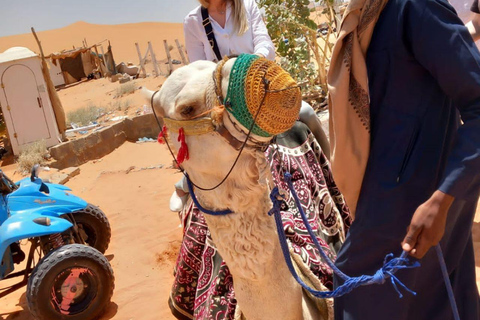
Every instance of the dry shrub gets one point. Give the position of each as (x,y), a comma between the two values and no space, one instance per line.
(120,105)
(84,116)
(126,88)
(31,154)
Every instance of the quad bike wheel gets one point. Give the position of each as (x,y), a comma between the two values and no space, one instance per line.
(73,282)
(94,227)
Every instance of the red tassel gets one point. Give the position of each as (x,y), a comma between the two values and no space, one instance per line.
(183,152)
(162,135)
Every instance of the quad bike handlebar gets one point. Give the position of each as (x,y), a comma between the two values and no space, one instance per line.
(35,171)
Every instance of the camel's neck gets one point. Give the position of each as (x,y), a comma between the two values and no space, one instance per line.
(247,240)
(246,237)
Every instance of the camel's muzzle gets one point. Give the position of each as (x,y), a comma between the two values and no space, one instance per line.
(194,127)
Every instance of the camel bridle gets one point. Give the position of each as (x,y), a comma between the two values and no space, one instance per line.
(202,124)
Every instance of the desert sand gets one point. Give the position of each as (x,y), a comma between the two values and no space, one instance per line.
(122,38)
(127,184)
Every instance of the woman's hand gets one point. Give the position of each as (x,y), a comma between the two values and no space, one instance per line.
(428,225)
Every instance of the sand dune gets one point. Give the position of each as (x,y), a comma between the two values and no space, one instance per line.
(122,38)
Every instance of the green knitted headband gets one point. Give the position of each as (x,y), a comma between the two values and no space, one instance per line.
(235,100)
(246,93)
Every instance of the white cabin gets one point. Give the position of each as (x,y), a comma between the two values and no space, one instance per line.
(24,100)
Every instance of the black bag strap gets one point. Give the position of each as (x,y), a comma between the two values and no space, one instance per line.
(209,31)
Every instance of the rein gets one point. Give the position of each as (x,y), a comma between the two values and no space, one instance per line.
(390,264)
(199,206)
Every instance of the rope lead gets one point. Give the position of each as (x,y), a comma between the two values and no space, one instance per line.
(390,266)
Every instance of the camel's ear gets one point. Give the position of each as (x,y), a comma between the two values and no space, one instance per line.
(147,94)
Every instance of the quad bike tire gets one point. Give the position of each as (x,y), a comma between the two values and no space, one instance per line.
(94,227)
(73,282)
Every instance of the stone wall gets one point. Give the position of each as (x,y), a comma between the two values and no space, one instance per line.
(99,143)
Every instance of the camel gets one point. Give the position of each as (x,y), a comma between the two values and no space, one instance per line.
(246,239)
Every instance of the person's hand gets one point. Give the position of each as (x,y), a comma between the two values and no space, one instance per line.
(473,27)
(428,225)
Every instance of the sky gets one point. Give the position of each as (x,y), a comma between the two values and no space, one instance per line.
(17,16)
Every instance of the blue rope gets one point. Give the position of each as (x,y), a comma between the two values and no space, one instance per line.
(446,278)
(390,266)
(199,206)
(338,272)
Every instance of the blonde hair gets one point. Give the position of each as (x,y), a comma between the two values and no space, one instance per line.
(240,22)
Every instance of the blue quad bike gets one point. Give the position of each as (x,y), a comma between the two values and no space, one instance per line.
(66,273)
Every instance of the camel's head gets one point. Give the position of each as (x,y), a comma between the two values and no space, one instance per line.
(183,95)
(206,107)
(210,101)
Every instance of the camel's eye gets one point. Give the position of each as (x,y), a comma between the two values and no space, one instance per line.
(186,111)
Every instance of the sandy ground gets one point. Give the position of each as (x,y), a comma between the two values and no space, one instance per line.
(145,234)
(105,94)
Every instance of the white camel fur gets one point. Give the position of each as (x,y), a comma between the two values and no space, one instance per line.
(247,239)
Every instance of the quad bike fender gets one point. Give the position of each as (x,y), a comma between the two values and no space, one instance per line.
(54,198)
(58,186)
(24,226)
